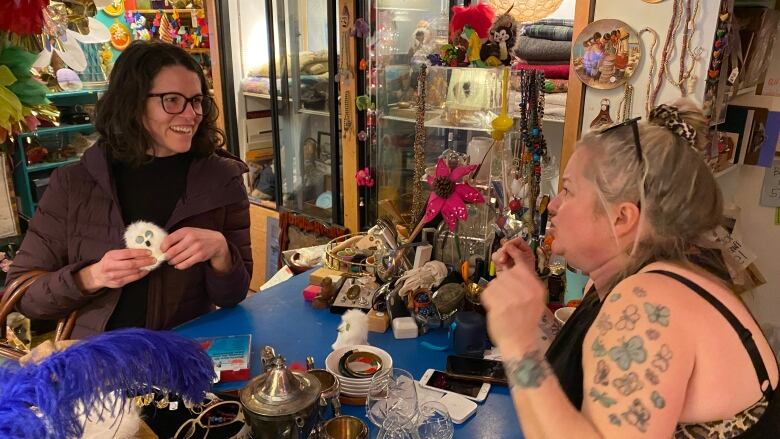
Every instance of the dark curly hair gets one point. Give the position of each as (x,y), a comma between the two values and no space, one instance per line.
(120,110)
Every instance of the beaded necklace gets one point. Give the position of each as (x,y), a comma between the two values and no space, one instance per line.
(418,202)
(650,95)
(667,47)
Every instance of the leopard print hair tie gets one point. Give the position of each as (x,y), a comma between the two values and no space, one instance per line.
(669,117)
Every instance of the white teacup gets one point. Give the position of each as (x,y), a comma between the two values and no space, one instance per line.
(563,314)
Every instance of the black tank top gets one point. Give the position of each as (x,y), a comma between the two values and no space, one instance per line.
(565,356)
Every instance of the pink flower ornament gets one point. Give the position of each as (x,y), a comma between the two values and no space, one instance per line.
(449,195)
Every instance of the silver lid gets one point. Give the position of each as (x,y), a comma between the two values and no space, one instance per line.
(279,391)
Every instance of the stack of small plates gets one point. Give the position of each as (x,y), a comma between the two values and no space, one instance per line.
(355,365)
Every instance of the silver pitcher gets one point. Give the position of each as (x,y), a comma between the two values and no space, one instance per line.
(281,404)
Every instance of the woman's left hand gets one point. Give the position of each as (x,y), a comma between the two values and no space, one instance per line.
(189,245)
(514,302)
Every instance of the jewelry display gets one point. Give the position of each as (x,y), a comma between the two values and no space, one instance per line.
(668,45)
(686,74)
(713,93)
(530,151)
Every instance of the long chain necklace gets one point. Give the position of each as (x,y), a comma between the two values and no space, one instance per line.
(650,95)
(626,104)
(418,203)
(686,74)
(667,47)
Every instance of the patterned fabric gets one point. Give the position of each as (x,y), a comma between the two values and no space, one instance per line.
(725,429)
(548,32)
(669,117)
(556,22)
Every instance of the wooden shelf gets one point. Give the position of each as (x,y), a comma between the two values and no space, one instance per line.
(199,50)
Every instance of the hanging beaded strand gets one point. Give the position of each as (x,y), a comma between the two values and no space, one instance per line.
(418,202)
(650,96)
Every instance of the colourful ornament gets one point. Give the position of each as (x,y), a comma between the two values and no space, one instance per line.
(515,205)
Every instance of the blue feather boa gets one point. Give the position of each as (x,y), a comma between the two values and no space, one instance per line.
(47,400)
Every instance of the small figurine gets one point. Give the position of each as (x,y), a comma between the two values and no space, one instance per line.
(502,41)
(327,294)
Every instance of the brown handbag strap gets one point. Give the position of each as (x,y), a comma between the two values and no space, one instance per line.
(13,294)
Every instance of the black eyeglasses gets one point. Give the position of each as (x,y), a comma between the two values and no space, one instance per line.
(634,128)
(175,103)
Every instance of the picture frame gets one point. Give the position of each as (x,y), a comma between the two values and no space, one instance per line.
(323,146)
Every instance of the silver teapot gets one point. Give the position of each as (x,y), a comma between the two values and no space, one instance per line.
(281,404)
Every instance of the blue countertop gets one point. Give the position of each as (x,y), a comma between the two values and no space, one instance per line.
(279,317)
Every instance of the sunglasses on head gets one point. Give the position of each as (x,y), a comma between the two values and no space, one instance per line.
(635,128)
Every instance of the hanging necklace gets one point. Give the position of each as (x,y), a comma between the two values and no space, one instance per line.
(667,47)
(687,51)
(418,203)
(626,104)
(650,95)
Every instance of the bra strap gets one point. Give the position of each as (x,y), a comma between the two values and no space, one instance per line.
(744,334)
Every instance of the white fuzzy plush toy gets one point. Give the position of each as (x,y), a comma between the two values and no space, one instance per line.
(147,236)
(353,329)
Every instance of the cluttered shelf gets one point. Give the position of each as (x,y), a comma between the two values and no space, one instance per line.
(58,130)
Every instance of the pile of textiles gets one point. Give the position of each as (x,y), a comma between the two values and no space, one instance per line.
(546,45)
(313,79)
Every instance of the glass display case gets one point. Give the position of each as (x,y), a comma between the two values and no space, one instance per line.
(460,105)
(290,120)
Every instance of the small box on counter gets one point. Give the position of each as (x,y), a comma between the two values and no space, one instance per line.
(230,355)
(316,277)
(378,321)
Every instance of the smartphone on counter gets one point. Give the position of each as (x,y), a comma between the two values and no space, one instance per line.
(473,390)
(479,369)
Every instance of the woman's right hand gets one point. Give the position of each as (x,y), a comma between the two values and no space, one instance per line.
(516,251)
(116,269)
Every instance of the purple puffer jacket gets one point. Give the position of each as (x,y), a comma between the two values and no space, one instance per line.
(79,220)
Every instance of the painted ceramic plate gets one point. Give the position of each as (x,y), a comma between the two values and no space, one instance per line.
(606,54)
(120,35)
(115,9)
(363,364)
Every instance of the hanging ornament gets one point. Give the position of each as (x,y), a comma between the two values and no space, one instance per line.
(120,35)
(58,38)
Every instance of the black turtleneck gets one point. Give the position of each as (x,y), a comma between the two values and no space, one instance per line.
(147,193)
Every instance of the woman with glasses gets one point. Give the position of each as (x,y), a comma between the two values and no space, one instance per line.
(160,159)
(661,346)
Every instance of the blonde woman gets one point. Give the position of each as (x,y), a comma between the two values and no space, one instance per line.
(661,346)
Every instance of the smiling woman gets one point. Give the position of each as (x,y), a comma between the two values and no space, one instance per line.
(158,160)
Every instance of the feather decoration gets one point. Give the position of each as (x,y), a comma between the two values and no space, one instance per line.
(48,399)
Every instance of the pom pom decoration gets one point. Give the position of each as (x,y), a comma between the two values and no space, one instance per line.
(478,16)
(49,399)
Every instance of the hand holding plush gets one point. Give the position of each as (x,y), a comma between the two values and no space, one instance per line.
(147,236)
(189,245)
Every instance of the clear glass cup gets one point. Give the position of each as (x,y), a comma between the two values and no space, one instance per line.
(391,403)
(434,421)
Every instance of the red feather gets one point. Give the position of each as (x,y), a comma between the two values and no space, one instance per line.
(22,17)
(479,16)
